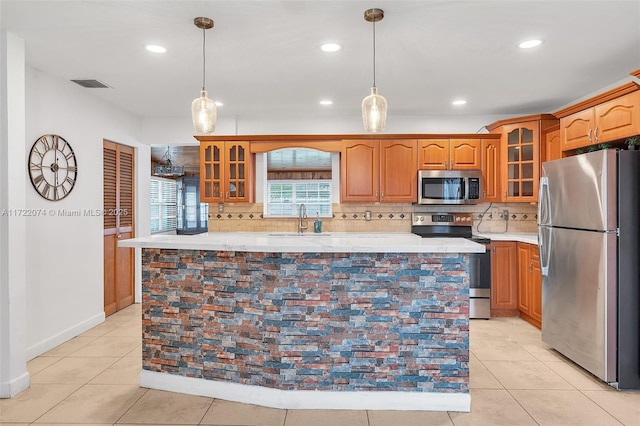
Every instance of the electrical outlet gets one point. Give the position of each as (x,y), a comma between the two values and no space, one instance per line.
(504,215)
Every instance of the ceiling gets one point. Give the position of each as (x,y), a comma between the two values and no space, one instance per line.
(264,58)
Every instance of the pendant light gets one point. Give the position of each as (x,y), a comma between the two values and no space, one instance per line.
(204,110)
(374,106)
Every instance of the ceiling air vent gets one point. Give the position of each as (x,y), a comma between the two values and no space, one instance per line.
(91,84)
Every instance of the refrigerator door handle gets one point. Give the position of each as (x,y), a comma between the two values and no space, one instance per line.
(544,201)
(544,246)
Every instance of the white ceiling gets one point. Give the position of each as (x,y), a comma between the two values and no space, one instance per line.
(263,57)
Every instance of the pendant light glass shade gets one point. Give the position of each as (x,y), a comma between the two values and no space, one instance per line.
(374,112)
(204,112)
(374,106)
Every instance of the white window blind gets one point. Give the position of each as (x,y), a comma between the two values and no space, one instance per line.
(285,196)
(164,202)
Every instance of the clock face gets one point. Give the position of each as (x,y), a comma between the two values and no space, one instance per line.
(52,167)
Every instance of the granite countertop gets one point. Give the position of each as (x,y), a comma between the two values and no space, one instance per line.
(329,242)
(523,237)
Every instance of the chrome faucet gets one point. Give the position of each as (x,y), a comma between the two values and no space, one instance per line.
(302,215)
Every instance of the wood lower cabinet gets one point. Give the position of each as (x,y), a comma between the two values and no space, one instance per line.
(504,278)
(529,284)
(379,171)
(449,154)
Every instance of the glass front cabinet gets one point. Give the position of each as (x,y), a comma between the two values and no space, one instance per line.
(224,172)
(520,147)
(521,167)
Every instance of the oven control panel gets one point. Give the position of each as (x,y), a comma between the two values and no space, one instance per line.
(451,219)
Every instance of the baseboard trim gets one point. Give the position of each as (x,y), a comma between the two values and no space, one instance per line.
(12,388)
(57,339)
(307,399)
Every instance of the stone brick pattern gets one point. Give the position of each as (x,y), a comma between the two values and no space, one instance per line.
(309,321)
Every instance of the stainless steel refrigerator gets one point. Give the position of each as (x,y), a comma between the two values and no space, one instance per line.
(588,215)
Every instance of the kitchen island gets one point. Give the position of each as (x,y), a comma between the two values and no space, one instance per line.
(340,320)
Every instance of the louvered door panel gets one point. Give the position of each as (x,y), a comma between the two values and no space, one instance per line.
(118,175)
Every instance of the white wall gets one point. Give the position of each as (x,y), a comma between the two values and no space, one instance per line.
(175,131)
(64,278)
(13,364)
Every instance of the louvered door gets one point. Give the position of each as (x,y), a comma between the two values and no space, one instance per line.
(118,216)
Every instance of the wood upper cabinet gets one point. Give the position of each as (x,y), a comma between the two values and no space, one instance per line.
(379,170)
(552,146)
(529,284)
(521,163)
(398,171)
(449,154)
(520,155)
(490,166)
(608,121)
(225,172)
(504,278)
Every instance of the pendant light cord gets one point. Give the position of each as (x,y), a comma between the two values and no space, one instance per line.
(374,52)
(204,57)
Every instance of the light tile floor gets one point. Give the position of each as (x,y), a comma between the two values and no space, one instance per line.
(515,380)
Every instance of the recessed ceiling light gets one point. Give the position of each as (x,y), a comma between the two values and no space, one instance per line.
(528,44)
(326,102)
(219,103)
(330,47)
(154,48)
(459,102)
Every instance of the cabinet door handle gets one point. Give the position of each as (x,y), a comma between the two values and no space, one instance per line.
(446,164)
(589,136)
(376,194)
(382,195)
(595,134)
(531,266)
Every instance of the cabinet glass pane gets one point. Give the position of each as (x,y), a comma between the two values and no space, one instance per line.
(527,171)
(207,189)
(207,171)
(513,137)
(241,153)
(233,171)
(527,152)
(514,189)
(216,153)
(241,171)
(513,154)
(232,190)
(217,172)
(514,171)
(527,188)
(208,153)
(240,189)
(232,153)
(527,135)
(216,189)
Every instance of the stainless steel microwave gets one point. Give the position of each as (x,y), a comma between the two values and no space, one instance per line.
(449,186)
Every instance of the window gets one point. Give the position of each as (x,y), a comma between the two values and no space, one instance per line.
(285,196)
(164,201)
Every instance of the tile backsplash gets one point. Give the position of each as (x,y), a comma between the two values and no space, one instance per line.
(385,217)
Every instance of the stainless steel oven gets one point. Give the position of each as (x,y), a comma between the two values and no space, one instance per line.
(460,225)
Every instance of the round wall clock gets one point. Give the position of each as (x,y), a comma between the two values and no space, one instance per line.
(52,167)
